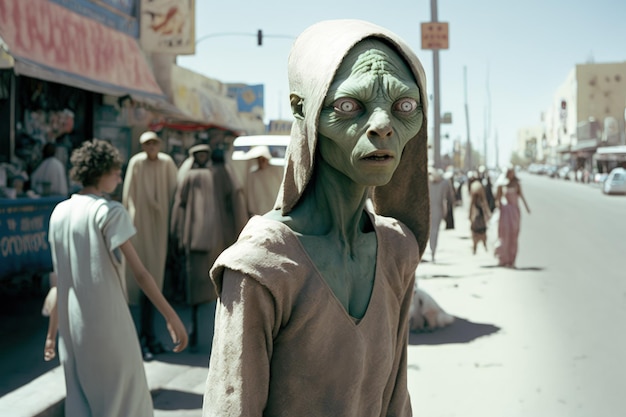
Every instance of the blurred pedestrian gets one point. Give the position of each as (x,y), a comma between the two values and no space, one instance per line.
(148,195)
(441,197)
(471,177)
(263,181)
(312,318)
(479,215)
(485,180)
(195,227)
(98,347)
(509,191)
(49,178)
(451,202)
(232,213)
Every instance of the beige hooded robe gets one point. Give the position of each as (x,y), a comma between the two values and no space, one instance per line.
(148,194)
(284,345)
(195,226)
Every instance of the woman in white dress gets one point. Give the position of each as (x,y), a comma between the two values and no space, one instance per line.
(98,345)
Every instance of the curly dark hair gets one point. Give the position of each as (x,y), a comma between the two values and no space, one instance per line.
(92,160)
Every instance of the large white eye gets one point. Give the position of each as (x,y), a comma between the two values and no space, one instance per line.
(346,105)
(405,105)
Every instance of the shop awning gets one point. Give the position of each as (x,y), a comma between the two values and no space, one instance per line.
(563,149)
(204,99)
(611,153)
(585,146)
(49,42)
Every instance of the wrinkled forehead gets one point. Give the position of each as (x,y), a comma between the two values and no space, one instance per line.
(374,57)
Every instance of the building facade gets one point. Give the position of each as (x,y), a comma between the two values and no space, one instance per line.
(587,113)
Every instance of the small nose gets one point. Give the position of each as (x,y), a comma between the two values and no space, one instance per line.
(380,125)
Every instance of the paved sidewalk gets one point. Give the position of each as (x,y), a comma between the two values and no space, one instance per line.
(175,380)
(501,356)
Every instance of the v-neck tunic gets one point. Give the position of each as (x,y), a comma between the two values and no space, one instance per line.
(284,344)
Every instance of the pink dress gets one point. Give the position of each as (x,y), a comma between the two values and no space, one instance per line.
(508,227)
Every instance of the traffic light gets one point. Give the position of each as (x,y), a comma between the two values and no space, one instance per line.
(259,37)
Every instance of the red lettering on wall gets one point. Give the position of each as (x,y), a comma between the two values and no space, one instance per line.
(55,37)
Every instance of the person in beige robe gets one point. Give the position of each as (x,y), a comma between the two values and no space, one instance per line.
(229,197)
(148,194)
(195,226)
(263,181)
(314,297)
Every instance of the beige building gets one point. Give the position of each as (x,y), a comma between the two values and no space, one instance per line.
(587,112)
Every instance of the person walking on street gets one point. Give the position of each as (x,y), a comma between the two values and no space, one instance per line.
(89,236)
(148,194)
(451,203)
(508,192)
(194,228)
(441,196)
(229,195)
(479,215)
(263,182)
(485,179)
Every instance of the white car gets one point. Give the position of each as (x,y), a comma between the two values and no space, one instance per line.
(276,143)
(615,183)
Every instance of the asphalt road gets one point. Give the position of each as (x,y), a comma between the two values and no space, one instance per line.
(547,339)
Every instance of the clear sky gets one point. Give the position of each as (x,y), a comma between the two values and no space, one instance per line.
(516,53)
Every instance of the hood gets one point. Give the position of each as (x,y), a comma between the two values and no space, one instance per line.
(313,61)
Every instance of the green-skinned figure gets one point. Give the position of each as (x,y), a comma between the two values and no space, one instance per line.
(312,316)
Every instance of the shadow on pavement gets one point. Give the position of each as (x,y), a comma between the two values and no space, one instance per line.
(530,268)
(523,268)
(22,337)
(461,331)
(198,359)
(165,399)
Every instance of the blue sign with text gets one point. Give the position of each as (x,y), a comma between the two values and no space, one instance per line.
(24,244)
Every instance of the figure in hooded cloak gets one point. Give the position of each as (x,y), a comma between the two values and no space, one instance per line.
(194,226)
(314,297)
(263,181)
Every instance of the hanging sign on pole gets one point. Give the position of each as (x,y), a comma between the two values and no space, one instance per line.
(435,35)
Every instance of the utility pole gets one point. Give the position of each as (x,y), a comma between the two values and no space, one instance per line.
(468,156)
(436,104)
(488,119)
(435,37)
(497,150)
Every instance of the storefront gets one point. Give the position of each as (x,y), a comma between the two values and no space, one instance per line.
(583,153)
(64,78)
(608,157)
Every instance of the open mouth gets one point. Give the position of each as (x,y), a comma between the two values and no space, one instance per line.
(378,156)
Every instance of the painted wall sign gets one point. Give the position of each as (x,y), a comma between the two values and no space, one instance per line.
(50,35)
